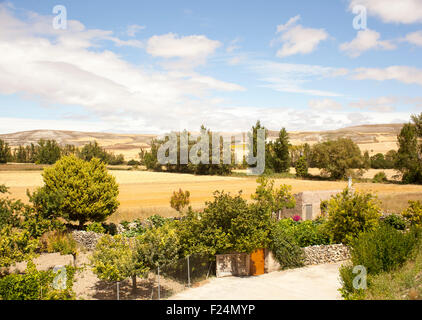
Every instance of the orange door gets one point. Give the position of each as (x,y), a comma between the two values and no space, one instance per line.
(258,262)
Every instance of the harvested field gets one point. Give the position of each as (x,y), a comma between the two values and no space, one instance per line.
(145,193)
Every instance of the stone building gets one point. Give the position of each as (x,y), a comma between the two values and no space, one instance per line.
(308,204)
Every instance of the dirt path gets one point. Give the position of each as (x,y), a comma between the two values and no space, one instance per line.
(319,282)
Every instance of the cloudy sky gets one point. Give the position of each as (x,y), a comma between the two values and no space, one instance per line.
(154,66)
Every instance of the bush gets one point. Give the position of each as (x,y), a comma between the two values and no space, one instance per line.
(306,233)
(133,163)
(115,259)
(59,242)
(396,221)
(158,247)
(351,213)
(414,213)
(35,285)
(95,227)
(16,246)
(383,249)
(180,200)
(380,177)
(284,247)
(88,192)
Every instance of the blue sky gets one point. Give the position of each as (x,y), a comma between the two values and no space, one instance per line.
(155,66)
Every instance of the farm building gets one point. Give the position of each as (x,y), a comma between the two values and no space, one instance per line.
(308,204)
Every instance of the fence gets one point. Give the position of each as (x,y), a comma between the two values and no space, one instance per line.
(185,273)
(162,282)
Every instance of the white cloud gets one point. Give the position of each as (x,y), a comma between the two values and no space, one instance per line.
(133,29)
(57,68)
(365,40)
(380,104)
(193,50)
(392,11)
(289,77)
(297,39)
(325,105)
(405,74)
(414,38)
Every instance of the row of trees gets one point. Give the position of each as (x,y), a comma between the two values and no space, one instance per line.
(49,152)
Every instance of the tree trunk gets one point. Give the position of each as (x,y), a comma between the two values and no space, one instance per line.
(134,282)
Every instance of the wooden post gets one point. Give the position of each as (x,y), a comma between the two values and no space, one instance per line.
(188,272)
(117,285)
(158,273)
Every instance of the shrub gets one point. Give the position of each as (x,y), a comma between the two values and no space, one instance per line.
(59,242)
(133,163)
(88,192)
(383,249)
(36,285)
(347,290)
(396,221)
(350,213)
(158,247)
(115,259)
(110,228)
(414,213)
(380,177)
(10,210)
(180,200)
(16,246)
(284,247)
(95,227)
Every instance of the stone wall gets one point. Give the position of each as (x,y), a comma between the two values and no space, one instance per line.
(86,239)
(234,264)
(326,254)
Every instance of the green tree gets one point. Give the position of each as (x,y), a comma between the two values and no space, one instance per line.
(414,213)
(281,154)
(115,259)
(351,213)
(409,159)
(337,157)
(47,152)
(5,152)
(302,167)
(87,191)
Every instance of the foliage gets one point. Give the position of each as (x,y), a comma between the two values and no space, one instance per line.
(302,167)
(414,213)
(47,152)
(379,161)
(383,249)
(16,245)
(180,200)
(88,192)
(60,242)
(193,146)
(337,157)
(306,233)
(93,150)
(9,210)
(5,152)
(380,177)
(36,285)
(280,153)
(408,159)
(350,213)
(133,162)
(396,221)
(284,247)
(115,259)
(158,247)
(95,227)
(227,224)
(273,199)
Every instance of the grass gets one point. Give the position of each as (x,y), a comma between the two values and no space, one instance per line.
(402,284)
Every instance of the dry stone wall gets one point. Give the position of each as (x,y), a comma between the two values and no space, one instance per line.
(326,254)
(86,239)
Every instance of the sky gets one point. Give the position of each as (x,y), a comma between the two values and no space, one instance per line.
(137,66)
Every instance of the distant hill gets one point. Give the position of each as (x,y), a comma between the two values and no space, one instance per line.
(374,138)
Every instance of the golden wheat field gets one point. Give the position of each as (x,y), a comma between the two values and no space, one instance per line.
(144,193)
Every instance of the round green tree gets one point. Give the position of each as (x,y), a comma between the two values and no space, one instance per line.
(88,192)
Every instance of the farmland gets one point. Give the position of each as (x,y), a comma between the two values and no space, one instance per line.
(144,193)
